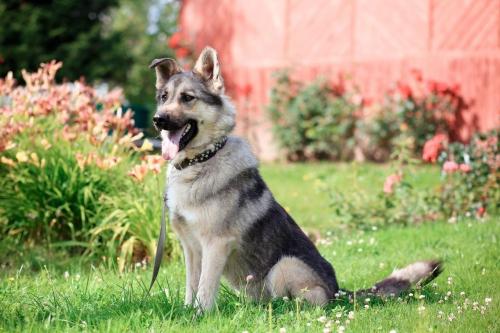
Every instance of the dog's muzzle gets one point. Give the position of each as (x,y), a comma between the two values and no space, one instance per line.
(164,121)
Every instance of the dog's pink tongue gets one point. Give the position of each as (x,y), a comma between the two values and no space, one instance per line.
(170,144)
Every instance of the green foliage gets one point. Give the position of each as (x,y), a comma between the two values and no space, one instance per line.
(146,39)
(469,187)
(318,121)
(313,121)
(74,32)
(474,187)
(52,201)
(71,175)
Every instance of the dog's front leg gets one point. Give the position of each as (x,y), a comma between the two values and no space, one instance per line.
(192,258)
(214,257)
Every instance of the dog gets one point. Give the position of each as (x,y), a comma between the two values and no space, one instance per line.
(225,216)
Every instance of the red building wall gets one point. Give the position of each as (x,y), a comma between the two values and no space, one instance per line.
(377,42)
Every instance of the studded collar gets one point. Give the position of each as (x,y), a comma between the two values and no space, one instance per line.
(203,156)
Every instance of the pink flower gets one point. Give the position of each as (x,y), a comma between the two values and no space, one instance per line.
(433,147)
(450,166)
(465,168)
(391,181)
(480,211)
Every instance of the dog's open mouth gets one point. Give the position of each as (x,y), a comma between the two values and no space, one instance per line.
(177,140)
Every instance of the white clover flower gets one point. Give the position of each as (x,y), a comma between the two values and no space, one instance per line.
(322,319)
(66,275)
(282,330)
(367,306)
(350,315)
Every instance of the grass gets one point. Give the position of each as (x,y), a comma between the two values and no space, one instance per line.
(97,298)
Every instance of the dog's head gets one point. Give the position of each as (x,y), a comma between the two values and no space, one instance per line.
(192,111)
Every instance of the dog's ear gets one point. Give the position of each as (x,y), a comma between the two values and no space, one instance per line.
(207,66)
(165,68)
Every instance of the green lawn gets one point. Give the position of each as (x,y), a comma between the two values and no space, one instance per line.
(97,298)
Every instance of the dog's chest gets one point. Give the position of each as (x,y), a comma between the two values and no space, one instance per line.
(199,216)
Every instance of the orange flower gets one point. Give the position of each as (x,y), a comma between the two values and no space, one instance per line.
(138,172)
(154,163)
(7,161)
(80,160)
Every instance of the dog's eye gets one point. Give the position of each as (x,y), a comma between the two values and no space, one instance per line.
(185,98)
(164,97)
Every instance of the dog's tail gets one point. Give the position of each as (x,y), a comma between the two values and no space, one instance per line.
(402,280)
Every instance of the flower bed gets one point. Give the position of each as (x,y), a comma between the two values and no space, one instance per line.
(71,175)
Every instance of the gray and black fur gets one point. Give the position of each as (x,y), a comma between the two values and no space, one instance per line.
(226,218)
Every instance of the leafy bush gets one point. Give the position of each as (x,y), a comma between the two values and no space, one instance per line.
(315,121)
(69,169)
(469,186)
(470,174)
(419,107)
(318,121)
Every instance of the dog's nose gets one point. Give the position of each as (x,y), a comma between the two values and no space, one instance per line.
(161,120)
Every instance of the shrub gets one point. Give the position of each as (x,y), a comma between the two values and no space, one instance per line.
(469,186)
(470,176)
(419,107)
(69,173)
(314,121)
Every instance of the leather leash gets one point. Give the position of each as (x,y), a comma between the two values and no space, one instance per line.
(161,241)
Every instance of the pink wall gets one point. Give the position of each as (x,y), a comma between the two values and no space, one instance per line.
(376,41)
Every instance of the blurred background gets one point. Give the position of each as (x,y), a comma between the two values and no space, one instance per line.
(372,46)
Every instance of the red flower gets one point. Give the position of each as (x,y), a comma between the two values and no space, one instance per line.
(433,147)
(465,168)
(391,181)
(432,86)
(175,40)
(480,211)
(441,87)
(450,166)
(455,88)
(181,52)
(404,90)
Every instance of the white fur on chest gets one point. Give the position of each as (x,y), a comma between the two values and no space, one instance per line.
(200,217)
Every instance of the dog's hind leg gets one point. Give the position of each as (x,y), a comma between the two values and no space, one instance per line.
(291,277)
